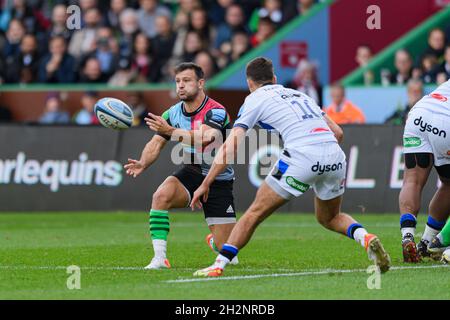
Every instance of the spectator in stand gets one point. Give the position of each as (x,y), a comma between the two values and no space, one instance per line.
(181,26)
(85,6)
(306,81)
(86,115)
(142,63)
(129,28)
(113,15)
(83,41)
(341,110)
(13,38)
(57,66)
(235,21)
(23,67)
(363,55)
(53,113)
(198,22)
(58,26)
(163,44)
(403,65)
(150,9)
(441,78)
(266,29)
(362,58)
(217,11)
(206,61)
(443,69)
(136,102)
(436,44)
(426,70)
(23,12)
(105,51)
(240,45)
(91,72)
(192,46)
(124,75)
(415,93)
(271,10)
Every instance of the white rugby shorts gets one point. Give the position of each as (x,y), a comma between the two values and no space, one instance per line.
(428,132)
(321,167)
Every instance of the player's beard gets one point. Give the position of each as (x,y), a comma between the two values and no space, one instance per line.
(189,97)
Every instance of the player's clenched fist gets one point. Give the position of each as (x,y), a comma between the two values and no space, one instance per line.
(134,168)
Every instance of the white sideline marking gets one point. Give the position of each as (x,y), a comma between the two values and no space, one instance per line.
(297,274)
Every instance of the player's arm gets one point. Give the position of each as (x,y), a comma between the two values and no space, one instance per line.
(337,130)
(149,155)
(214,122)
(225,153)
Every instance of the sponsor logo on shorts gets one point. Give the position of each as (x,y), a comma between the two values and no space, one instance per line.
(321,169)
(297,185)
(230,209)
(411,142)
(429,128)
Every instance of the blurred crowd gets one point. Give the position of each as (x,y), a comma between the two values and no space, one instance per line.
(121,42)
(432,65)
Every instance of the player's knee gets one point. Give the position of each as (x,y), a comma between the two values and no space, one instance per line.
(161,199)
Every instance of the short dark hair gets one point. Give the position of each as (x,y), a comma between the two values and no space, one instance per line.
(190,66)
(260,70)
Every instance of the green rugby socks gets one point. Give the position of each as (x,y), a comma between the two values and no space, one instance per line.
(159,229)
(445,234)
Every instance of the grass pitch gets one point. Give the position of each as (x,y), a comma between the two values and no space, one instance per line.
(289,257)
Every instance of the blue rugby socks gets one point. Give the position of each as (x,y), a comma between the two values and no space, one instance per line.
(432,229)
(408,224)
(357,232)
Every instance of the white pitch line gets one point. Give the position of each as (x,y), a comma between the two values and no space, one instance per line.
(296,274)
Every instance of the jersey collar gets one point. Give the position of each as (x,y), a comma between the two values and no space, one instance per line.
(191,114)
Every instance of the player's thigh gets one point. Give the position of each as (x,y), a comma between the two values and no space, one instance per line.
(330,180)
(417,168)
(290,178)
(173,192)
(439,136)
(220,209)
(444,173)
(417,148)
(267,200)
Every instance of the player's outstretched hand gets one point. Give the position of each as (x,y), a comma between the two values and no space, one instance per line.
(134,168)
(158,124)
(202,191)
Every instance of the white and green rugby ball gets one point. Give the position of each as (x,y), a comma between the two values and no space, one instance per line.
(113,113)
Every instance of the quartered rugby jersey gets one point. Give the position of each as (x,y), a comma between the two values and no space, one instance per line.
(210,113)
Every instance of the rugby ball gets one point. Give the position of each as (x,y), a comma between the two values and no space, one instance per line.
(113,113)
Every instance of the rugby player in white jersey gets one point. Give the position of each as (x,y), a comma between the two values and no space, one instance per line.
(311,158)
(426,142)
